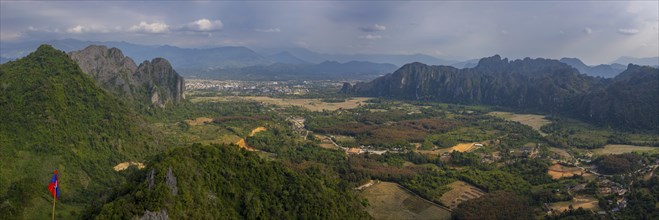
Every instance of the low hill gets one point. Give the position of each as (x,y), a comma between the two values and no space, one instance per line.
(224,182)
(53,116)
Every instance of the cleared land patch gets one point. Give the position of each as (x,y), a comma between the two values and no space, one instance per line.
(389,201)
(125,165)
(463,147)
(311,104)
(243,144)
(460,192)
(535,121)
(561,152)
(621,149)
(557,171)
(580,201)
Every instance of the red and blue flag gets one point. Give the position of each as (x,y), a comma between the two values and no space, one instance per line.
(53,187)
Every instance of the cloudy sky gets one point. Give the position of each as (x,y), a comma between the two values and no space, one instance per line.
(596,32)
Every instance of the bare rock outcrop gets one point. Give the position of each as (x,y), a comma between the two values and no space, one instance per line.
(153,82)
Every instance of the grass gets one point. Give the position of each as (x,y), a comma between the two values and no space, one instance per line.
(310,104)
(580,201)
(198,121)
(561,152)
(460,192)
(621,149)
(557,171)
(389,201)
(535,121)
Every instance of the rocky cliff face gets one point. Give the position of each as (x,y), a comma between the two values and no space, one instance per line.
(541,85)
(161,82)
(152,82)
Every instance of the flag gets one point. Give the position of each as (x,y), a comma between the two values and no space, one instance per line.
(53,187)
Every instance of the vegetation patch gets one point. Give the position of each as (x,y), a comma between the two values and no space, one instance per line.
(387,200)
(310,104)
(535,121)
(460,192)
(579,201)
(621,149)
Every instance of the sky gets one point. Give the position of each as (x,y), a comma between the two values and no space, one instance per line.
(594,31)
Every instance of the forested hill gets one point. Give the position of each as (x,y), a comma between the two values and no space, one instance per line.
(224,182)
(52,115)
(540,85)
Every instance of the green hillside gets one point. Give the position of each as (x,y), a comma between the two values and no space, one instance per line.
(224,182)
(53,116)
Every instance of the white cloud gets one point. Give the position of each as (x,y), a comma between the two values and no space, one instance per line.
(269,30)
(374,28)
(75,30)
(504,32)
(204,25)
(631,31)
(80,29)
(588,30)
(371,37)
(155,27)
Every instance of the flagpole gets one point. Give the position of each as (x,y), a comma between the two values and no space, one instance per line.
(54,201)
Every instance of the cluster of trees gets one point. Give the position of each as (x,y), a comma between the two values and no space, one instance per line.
(219,181)
(619,164)
(496,205)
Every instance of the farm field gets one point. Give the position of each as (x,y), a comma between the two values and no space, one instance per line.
(535,121)
(561,152)
(463,147)
(557,171)
(621,149)
(580,201)
(460,192)
(310,104)
(389,201)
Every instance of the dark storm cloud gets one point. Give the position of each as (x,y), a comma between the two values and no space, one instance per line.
(595,31)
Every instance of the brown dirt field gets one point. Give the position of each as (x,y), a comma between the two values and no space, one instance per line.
(311,104)
(389,201)
(125,165)
(460,192)
(535,121)
(242,144)
(557,171)
(198,121)
(257,130)
(621,149)
(585,202)
(464,147)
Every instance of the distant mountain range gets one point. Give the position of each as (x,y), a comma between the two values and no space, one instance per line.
(230,60)
(602,70)
(541,85)
(647,61)
(328,70)
(218,57)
